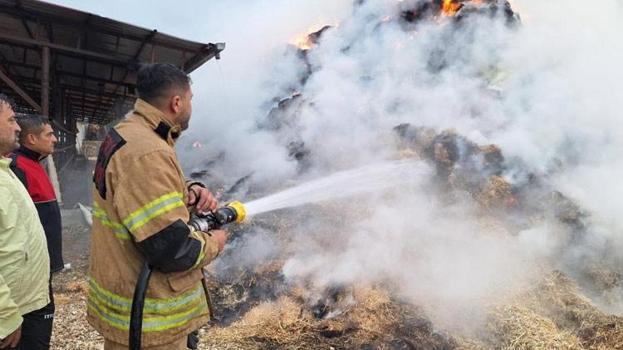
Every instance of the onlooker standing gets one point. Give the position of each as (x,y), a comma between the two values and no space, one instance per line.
(37,142)
(24,262)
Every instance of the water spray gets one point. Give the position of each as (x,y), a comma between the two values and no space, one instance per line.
(371,178)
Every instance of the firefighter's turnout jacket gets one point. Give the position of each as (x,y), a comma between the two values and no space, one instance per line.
(139,214)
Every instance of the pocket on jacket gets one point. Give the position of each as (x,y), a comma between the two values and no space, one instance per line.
(183,281)
(12,267)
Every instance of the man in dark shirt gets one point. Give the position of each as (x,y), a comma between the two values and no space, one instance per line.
(37,141)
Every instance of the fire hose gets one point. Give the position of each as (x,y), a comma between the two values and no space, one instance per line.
(230,213)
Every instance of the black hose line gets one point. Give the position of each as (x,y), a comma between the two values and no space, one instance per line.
(138,302)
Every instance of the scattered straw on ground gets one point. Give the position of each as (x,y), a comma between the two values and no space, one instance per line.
(374,321)
(516,327)
(559,299)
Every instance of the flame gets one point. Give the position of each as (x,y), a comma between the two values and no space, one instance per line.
(450,7)
(303,42)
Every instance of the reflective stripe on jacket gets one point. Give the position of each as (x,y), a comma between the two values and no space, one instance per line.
(139,213)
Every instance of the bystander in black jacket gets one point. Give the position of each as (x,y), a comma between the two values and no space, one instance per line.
(26,165)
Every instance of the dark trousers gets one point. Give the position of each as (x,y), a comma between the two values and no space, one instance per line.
(37,328)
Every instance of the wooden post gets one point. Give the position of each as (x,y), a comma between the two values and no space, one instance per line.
(45,111)
(45,81)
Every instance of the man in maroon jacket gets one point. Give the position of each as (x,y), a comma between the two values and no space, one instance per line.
(37,141)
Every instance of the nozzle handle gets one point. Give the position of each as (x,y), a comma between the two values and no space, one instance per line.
(233,212)
(204,223)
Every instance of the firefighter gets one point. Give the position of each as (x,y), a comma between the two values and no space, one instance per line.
(140,213)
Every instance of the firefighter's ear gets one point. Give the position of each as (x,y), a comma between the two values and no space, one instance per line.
(176,104)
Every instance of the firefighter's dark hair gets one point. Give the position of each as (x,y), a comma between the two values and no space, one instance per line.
(158,81)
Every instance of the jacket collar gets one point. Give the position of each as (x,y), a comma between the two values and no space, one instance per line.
(28,153)
(4,162)
(158,121)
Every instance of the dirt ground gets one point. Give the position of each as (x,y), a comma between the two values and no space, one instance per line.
(71,331)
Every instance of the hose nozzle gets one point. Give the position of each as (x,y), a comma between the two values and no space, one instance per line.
(230,212)
(239,209)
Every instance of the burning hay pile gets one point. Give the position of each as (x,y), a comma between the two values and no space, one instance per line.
(261,310)
(264,309)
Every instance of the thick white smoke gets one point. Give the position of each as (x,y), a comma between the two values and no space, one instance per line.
(231,94)
(546,93)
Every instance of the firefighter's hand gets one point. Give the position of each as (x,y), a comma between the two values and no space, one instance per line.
(201,198)
(12,339)
(220,236)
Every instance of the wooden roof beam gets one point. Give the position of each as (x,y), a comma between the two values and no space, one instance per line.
(5,78)
(207,53)
(60,72)
(96,56)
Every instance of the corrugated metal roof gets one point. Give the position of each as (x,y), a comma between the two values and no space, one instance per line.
(94,58)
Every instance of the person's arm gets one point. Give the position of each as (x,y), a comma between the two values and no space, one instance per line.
(148,201)
(10,317)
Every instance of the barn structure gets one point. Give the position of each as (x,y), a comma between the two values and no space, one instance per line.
(80,68)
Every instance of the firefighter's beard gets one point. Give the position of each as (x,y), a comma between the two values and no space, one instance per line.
(184,121)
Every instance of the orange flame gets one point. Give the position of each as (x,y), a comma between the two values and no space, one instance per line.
(450,7)
(303,42)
